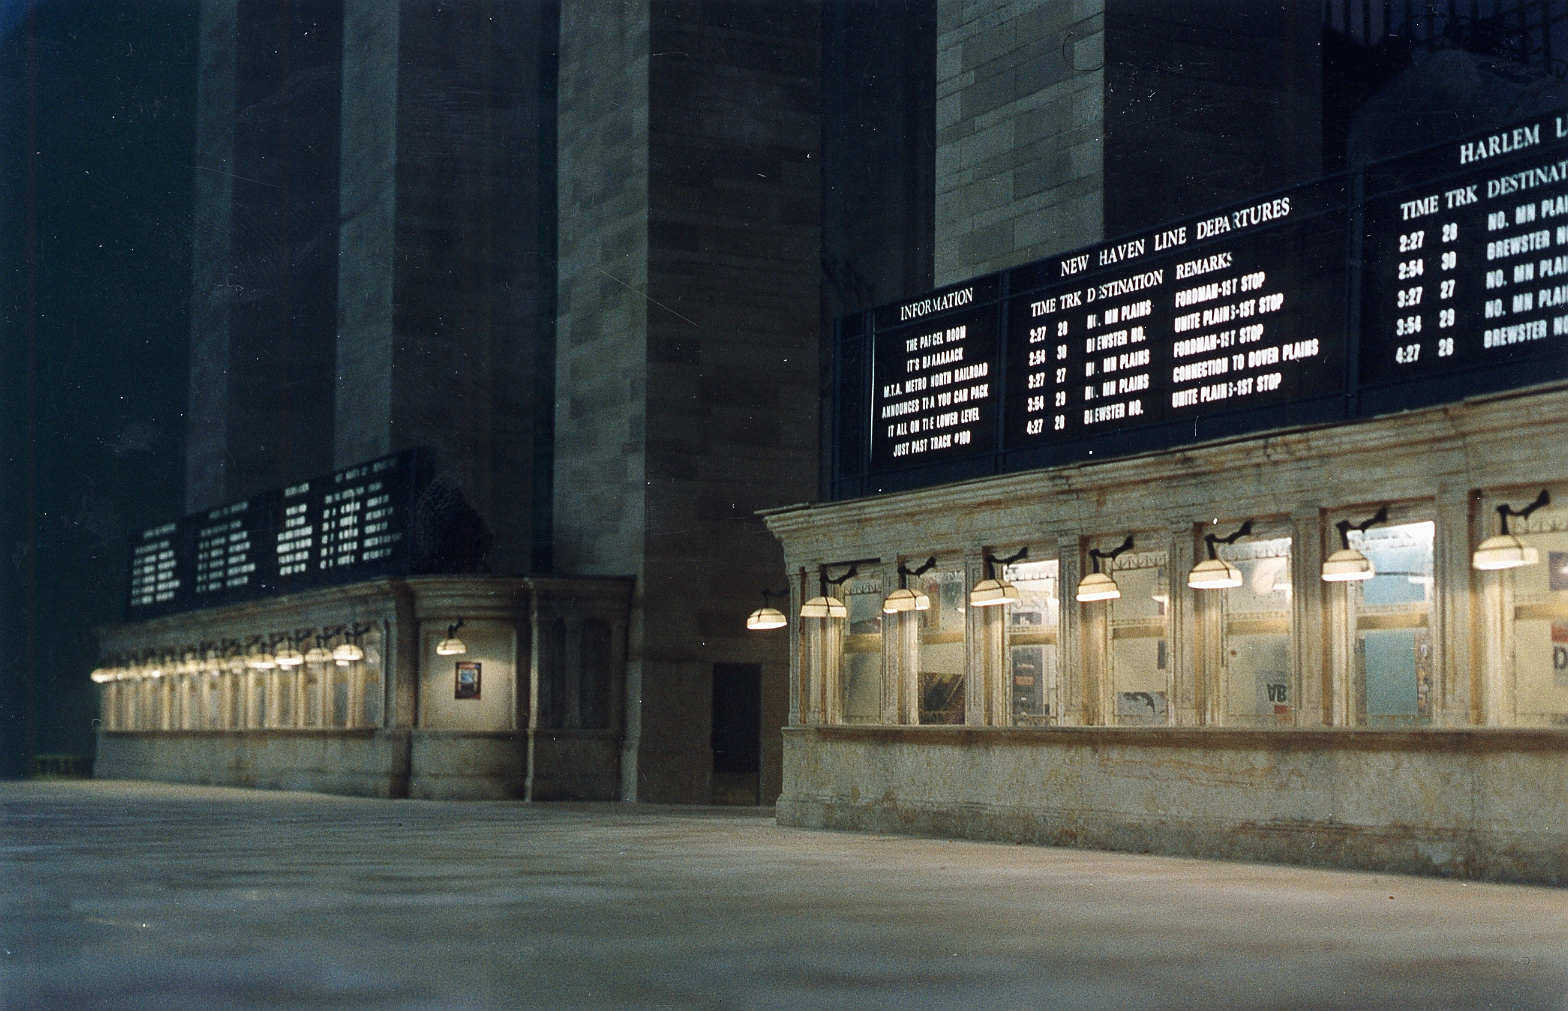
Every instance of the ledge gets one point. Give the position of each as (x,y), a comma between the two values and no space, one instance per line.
(1469,740)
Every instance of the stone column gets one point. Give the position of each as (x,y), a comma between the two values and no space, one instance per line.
(324,715)
(1307,617)
(274,713)
(1070,702)
(355,717)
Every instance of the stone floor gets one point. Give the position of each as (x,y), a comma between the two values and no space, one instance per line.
(131,895)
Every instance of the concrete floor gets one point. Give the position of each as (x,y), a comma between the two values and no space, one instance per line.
(131,895)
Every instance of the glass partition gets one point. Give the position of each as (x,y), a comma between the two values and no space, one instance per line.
(1031,642)
(1536,598)
(860,671)
(1140,637)
(1254,647)
(1391,674)
(942,646)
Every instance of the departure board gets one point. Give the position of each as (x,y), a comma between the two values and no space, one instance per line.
(1421,279)
(1231,311)
(1465,253)
(353,524)
(933,393)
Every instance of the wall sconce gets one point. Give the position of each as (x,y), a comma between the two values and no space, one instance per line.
(260,657)
(451,645)
(1097,585)
(1505,551)
(319,653)
(289,655)
(767,616)
(1347,565)
(1215,573)
(234,656)
(904,599)
(826,606)
(348,650)
(158,662)
(106,670)
(991,591)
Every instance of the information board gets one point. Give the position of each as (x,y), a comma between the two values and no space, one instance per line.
(353,524)
(1465,255)
(1230,311)
(934,367)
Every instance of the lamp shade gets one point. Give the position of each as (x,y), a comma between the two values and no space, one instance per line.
(824,607)
(993,592)
(1347,565)
(764,618)
(1214,574)
(347,653)
(1161,594)
(288,656)
(102,674)
(1505,551)
(451,646)
(260,659)
(1098,586)
(318,654)
(904,599)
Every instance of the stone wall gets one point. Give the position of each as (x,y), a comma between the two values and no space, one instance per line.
(1484,804)
(1019,130)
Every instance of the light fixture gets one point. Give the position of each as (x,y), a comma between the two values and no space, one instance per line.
(991,591)
(235,662)
(1097,585)
(105,671)
(903,599)
(826,605)
(348,650)
(1347,565)
(319,653)
(767,616)
(1506,551)
(1161,594)
(260,656)
(451,645)
(289,655)
(1215,573)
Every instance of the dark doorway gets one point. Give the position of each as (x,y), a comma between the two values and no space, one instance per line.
(737,732)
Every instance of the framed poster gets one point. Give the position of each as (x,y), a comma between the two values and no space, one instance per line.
(467,685)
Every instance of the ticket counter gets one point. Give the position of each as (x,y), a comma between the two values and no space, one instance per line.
(1408,717)
(430,686)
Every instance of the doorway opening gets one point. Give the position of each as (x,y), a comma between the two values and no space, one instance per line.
(736,739)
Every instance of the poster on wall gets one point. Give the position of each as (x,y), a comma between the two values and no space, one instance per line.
(467,680)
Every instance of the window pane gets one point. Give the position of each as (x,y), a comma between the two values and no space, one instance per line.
(1139,639)
(1031,648)
(1255,645)
(1393,653)
(861,671)
(1540,615)
(942,647)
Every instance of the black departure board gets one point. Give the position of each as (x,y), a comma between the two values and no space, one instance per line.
(934,369)
(1422,279)
(1239,309)
(353,524)
(1465,256)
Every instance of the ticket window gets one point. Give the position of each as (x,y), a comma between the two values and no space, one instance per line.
(1032,626)
(1140,663)
(1391,669)
(941,664)
(1254,646)
(860,663)
(1535,598)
